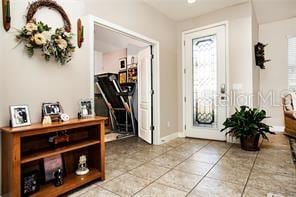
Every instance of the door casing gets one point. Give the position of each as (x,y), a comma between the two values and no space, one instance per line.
(183,71)
(90,21)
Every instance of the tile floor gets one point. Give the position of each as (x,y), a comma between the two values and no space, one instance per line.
(192,167)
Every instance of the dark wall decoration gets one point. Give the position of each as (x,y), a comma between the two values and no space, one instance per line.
(260,55)
(6,14)
(34,7)
(80,33)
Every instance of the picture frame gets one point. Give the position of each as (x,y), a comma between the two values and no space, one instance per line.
(122,77)
(54,110)
(51,165)
(132,75)
(123,63)
(20,115)
(30,182)
(87,109)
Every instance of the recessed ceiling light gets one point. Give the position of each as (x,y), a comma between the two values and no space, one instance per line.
(191,1)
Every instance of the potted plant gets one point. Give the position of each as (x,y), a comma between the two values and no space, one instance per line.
(247,125)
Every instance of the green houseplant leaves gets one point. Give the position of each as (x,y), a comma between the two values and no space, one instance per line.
(247,122)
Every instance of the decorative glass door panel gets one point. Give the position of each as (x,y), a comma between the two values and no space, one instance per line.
(205,83)
(204,57)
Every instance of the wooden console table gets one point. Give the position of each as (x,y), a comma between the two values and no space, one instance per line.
(25,148)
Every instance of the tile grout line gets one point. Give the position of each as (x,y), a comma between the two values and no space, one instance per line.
(109,191)
(245,186)
(157,165)
(207,172)
(126,172)
(174,168)
(145,162)
(170,169)
(172,148)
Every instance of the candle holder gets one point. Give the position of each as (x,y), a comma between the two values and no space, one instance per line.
(80,33)
(6,14)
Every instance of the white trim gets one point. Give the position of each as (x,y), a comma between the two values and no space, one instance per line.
(226,23)
(169,137)
(181,134)
(91,22)
(291,36)
(204,28)
(277,129)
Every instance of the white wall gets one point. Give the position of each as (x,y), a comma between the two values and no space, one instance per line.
(132,51)
(274,77)
(255,68)
(111,60)
(143,19)
(98,63)
(32,81)
(240,47)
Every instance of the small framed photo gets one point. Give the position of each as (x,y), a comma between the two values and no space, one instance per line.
(122,77)
(123,63)
(51,165)
(87,108)
(19,115)
(132,75)
(30,182)
(53,110)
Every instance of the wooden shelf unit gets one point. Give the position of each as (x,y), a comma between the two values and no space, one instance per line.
(71,182)
(52,152)
(26,147)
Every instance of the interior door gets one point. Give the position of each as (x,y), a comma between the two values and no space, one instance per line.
(144,95)
(205,83)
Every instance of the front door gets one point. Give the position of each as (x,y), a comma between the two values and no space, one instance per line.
(205,83)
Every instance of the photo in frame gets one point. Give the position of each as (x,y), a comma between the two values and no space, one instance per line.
(54,110)
(123,63)
(132,75)
(51,165)
(122,77)
(87,108)
(19,115)
(30,182)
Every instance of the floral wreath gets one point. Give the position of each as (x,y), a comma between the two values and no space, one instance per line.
(37,35)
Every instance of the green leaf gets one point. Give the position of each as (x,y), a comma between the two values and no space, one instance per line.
(247,122)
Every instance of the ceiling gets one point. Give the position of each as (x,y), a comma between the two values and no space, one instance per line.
(109,41)
(179,10)
(266,10)
(274,10)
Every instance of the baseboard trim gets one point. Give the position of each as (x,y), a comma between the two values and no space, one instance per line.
(181,134)
(277,129)
(169,137)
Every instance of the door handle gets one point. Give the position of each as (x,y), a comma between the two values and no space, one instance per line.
(222,89)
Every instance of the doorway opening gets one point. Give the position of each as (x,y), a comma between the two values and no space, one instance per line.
(126,83)
(205,82)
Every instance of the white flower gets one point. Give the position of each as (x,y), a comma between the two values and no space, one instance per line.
(31,27)
(46,35)
(39,39)
(62,44)
(67,34)
(28,45)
